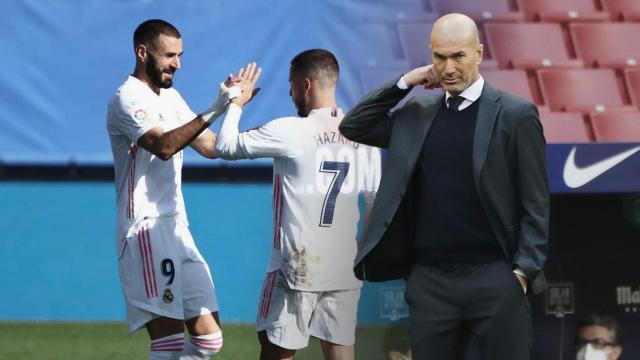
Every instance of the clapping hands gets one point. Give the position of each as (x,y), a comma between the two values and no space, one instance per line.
(246,79)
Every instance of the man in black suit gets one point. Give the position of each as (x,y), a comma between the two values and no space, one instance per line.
(463,204)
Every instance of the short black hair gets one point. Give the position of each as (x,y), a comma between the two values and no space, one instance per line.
(317,64)
(147,32)
(605,321)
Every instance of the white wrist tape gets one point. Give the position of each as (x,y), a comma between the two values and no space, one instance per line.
(218,107)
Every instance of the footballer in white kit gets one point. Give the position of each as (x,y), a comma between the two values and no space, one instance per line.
(152,234)
(310,288)
(166,282)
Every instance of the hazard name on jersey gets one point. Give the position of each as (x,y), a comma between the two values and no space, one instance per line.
(332,137)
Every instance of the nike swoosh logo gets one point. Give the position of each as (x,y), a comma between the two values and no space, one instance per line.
(575,176)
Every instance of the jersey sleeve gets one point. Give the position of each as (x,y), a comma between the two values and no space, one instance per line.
(268,140)
(134,117)
(185,113)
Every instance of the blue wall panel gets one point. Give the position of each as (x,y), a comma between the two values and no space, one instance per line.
(58,261)
(63,60)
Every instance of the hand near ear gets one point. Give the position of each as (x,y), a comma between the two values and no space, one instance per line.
(425,76)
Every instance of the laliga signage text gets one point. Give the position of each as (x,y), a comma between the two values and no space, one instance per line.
(628,298)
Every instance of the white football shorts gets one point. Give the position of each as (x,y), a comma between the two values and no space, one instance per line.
(290,316)
(163,274)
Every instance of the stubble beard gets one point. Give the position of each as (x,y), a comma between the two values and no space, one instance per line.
(155,74)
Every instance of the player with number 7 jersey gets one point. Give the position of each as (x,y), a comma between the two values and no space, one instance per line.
(319,181)
(318,176)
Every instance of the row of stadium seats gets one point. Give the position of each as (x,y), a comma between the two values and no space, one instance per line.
(579,90)
(574,123)
(574,90)
(543,10)
(484,11)
(527,45)
(578,64)
(536,45)
(572,127)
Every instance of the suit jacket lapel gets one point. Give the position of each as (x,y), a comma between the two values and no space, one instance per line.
(428,114)
(488,109)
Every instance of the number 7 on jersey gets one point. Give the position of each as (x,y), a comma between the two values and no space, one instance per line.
(339,171)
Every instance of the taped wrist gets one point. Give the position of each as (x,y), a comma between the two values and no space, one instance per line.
(218,107)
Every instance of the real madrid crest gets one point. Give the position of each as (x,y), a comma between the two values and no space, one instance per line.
(168,296)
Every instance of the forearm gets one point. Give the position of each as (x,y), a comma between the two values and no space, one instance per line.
(533,239)
(369,122)
(534,196)
(205,144)
(170,142)
(228,145)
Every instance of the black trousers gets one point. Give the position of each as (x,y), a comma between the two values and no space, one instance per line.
(450,303)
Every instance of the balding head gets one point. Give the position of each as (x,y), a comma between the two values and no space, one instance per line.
(456,51)
(455,28)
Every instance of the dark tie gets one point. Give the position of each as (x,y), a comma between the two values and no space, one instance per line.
(454,103)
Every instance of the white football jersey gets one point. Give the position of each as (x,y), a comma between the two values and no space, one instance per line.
(318,176)
(146,186)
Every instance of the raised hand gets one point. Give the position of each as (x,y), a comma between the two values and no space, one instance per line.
(425,76)
(246,79)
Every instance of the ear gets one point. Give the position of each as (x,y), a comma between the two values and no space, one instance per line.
(142,53)
(480,52)
(307,85)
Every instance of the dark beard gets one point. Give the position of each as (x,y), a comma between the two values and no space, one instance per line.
(155,74)
(300,106)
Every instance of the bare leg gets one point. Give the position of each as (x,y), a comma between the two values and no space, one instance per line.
(203,324)
(337,352)
(269,351)
(163,326)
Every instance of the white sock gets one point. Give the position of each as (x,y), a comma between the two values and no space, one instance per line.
(167,348)
(202,347)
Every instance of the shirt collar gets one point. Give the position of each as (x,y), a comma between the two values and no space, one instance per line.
(329,111)
(472,93)
(141,84)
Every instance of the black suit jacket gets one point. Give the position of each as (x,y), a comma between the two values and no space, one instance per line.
(509,170)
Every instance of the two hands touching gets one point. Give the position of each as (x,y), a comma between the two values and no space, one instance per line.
(238,89)
(245,81)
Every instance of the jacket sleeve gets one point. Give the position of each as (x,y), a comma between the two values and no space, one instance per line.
(533,194)
(370,122)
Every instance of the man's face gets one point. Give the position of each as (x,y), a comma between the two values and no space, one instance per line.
(298,91)
(599,338)
(456,61)
(163,59)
